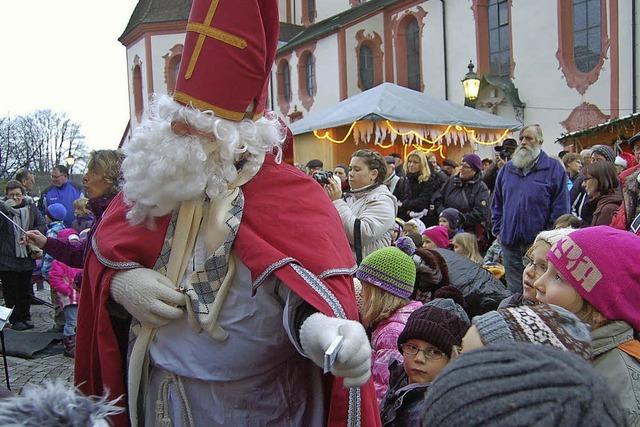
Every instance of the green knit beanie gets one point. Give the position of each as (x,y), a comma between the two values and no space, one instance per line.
(390,269)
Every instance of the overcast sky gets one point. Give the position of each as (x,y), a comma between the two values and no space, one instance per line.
(64,55)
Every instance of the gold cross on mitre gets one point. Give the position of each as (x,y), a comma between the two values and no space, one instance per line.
(206,30)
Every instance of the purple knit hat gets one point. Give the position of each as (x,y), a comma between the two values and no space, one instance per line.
(473,160)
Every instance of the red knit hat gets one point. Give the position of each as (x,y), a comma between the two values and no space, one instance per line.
(228,53)
(439,235)
(600,264)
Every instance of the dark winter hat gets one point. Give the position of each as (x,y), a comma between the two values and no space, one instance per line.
(437,326)
(508,144)
(520,385)
(449,162)
(416,238)
(314,163)
(450,305)
(431,270)
(453,217)
(634,139)
(473,160)
(390,269)
(57,211)
(605,151)
(539,324)
(390,160)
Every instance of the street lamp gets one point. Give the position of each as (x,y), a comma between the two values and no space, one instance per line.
(70,160)
(471,85)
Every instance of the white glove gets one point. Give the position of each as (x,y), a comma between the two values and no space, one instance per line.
(418,214)
(354,358)
(149,296)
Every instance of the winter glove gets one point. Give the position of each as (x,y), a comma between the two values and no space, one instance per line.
(148,296)
(419,214)
(354,358)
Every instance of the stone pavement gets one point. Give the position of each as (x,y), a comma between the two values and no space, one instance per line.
(49,365)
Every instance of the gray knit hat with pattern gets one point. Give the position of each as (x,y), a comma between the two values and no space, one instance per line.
(538,324)
(513,385)
(451,306)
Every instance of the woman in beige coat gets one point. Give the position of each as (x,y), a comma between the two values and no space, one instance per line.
(369,207)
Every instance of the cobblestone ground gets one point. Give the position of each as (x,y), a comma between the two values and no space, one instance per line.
(47,365)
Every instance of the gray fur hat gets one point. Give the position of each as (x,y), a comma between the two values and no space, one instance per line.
(520,385)
(57,404)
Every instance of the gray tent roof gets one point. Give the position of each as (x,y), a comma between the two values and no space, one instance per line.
(399,104)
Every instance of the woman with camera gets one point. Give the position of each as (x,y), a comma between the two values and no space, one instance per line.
(368,212)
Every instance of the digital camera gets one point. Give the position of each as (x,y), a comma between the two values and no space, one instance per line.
(323,177)
(505,155)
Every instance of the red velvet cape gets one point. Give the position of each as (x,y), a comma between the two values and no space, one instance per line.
(286,215)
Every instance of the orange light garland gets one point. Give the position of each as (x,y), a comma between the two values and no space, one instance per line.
(436,144)
(335,141)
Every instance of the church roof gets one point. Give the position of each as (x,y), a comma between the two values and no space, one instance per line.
(335,22)
(155,11)
(289,31)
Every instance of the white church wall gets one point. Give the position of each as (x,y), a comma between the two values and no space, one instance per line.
(328,8)
(160,46)
(327,77)
(461,45)
(542,86)
(625,56)
(282,10)
(137,49)
(374,24)
(432,49)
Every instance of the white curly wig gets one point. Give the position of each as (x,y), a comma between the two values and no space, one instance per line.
(56,404)
(162,169)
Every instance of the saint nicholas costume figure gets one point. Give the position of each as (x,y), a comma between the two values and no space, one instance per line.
(220,275)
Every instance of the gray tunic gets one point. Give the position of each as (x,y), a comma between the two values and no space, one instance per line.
(257,377)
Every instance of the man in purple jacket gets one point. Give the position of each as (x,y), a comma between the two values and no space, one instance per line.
(530,194)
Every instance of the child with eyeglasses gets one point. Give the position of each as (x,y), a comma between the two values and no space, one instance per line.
(535,264)
(428,342)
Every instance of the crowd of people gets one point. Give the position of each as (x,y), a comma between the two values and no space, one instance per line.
(220,286)
(515,218)
(430,283)
(52,238)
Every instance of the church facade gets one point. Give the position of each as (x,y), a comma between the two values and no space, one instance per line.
(565,64)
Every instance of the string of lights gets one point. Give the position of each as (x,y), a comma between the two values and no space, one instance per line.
(435,144)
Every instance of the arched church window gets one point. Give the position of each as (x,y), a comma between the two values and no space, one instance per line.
(413,55)
(365,67)
(587,34)
(310,75)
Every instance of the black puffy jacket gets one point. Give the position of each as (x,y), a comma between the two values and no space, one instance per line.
(471,198)
(481,290)
(415,196)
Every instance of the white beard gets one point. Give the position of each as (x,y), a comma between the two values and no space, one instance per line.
(162,169)
(524,157)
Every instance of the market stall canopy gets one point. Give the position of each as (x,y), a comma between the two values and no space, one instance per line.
(609,132)
(398,104)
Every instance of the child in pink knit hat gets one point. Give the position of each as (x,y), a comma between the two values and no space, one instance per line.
(435,237)
(594,273)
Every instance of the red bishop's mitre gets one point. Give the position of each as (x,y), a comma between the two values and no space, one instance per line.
(227,57)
